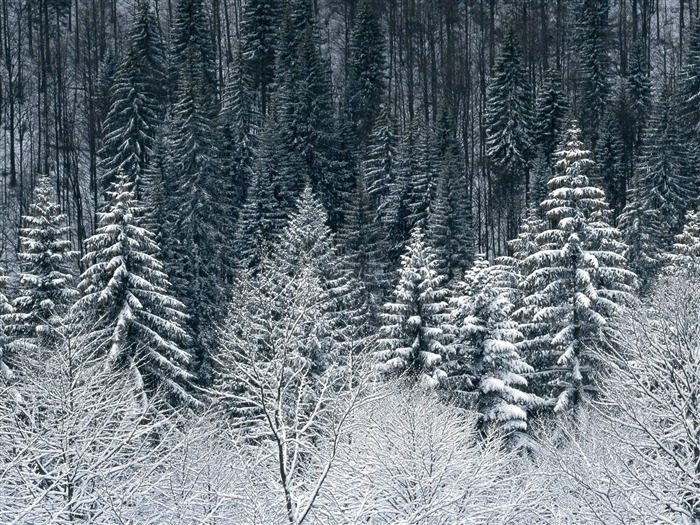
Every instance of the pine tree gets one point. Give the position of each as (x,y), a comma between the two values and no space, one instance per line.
(412,339)
(259,24)
(6,360)
(486,362)
(366,83)
(46,288)
(130,317)
(595,64)
(136,107)
(578,280)
(508,123)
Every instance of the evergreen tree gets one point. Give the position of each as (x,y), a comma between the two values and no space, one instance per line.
(194,57)
(666,168)
(508,123)
(639,89)
(6,360)
(691,82)
(366,83)
(487,361)
(611,163)
(197,209)
(130,317)
(259,24)
(412,339)
(578,280)
(237,132)
(136,103)
(644,235)
(686,249)
(595,64)
(552,112)
(46,288)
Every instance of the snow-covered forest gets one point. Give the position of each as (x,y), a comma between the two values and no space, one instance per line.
(391,262)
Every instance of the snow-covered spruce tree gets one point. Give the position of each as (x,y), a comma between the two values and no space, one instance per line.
(259,25)
(576,283)
(412,339)
(135,324)
(46,287)
(612,170)
(594,62)
(666,168)
(686,248)
(197,209)
(379,164)
(137,103)
(237,131)
(690,86)
(486,363)
(5,310)
(508,122)
(644,234)
(552,111)
(365,83)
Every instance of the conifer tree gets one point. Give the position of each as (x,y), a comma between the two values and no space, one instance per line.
(508,123)
(595,64)
(136,103)
(578,280)
(552,112)
(46,288)
(639,89)
(486,362)
(413,340)
(691,81)
(237,132)
(132,319)
(686,249)
(611,163)
(259,25)
(365,84)
(379,165)
(666,168)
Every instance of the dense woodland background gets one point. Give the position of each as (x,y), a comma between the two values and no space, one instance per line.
(349,261)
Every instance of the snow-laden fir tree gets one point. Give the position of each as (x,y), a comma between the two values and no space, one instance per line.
(259,25)
(486,362)
(379,164)
(644,234)
(126,311)
(137,99)
(611,159)
(412,341)
(365,84)
(46,287)
(666,168)
(552,111)
(686,248)
(577,281)
(6,364)
(237,130)
(509,134)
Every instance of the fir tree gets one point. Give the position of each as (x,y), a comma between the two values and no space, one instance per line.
(611,163)
(686,249)
(412,339)
(379,165)
(508,123)
(136,107)
(666,167)
(488,363)
(259,24)
(578,280)
(552,112)
(365,84)
(131,318)
(595,64)
(691,81)
(46,288)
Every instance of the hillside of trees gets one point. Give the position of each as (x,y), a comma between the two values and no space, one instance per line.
(349,261)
